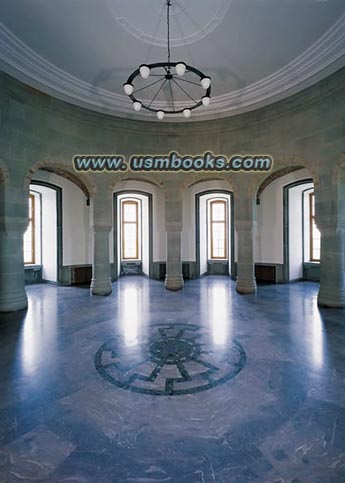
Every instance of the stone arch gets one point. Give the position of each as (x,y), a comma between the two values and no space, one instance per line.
(278,174)
(273,176)
(82,180)
(281,247)
(203,184)
(205,177)
(154,182)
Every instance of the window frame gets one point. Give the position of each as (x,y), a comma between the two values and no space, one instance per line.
(223,222)
(32,222)
(123,223)
(311,225)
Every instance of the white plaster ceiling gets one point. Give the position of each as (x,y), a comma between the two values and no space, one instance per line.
(256,51)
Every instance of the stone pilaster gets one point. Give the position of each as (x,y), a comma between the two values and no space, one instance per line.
(173,225)
(13,223)
(245,225)
(330,219)
(101,225)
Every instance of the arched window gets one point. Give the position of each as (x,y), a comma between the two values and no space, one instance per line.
(29,235)
(314,234)
(130,230)
(218,229)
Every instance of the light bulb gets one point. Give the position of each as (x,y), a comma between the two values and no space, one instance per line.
(205,101)
(206,82)
(137,106)
(187,113)
(180,68)
(128,88)
(160,115)
(144,71)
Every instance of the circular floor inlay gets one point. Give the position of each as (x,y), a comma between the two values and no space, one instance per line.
(175,359)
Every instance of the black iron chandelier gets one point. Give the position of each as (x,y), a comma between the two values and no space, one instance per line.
(174,88)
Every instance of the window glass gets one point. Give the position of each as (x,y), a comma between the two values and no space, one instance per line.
(218,236)
(29,235)
(218,211)
(315,236)
(129,212)
(130,230)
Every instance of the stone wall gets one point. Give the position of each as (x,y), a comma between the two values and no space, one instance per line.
(39,132)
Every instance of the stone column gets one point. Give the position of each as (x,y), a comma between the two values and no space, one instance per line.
(13,223)
(245,226)
(173,224)
(330,220)
(101,225)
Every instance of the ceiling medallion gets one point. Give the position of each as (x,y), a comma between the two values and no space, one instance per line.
(194,19)
(177,88)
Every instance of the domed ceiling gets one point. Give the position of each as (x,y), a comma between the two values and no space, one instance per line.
(256,51)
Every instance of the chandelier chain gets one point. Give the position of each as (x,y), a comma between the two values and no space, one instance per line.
(176,98)
(168,24)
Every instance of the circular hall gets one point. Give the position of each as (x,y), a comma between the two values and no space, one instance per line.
(172,241)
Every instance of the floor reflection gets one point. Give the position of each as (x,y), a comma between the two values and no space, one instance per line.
(318,341)
(216,306)
(132,315)
(201,384)
(39,334)
(307,330)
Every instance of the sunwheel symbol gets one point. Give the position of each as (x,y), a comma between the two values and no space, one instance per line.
(174,360)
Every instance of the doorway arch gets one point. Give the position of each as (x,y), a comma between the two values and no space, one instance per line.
(73,245)
(146,224)
(56,206)
(290,192)
(215,194)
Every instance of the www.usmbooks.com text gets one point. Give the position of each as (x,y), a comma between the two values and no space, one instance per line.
(172,162)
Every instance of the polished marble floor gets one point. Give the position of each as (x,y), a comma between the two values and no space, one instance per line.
(148,386)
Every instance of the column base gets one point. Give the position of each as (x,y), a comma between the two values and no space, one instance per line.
(173,282)
(245,286)
(101,287)
(331,298)
(13,302)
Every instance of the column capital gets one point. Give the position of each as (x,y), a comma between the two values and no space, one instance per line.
(14,215)
(13,223)
(245,207)
(101,227)
(329,224)
(102,214)
(173,190)
(330,219)
(173,215)
(172,226)
(329,204)
(245,225)
(102,210)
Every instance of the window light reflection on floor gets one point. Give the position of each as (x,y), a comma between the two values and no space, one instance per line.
(130,314)
(218,313)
